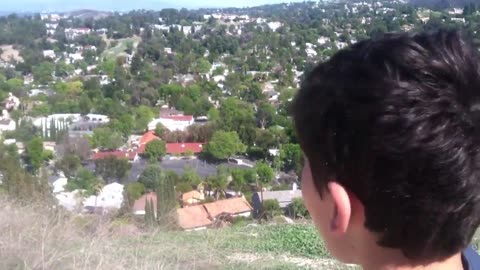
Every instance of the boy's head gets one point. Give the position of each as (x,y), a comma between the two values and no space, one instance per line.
(390,132)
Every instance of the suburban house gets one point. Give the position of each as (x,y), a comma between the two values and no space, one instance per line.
(235,207)
(284,197)
(182,148)
(139,205)
(192,198)
(110,197)
(201,216)
(72,33)
(130,155)
(173,122)
(193,218)
(7,125)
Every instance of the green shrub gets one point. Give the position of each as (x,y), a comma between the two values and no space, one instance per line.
(297,209)
(241,221)
(271,208)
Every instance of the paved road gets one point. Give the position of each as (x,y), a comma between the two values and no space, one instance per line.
(203,168)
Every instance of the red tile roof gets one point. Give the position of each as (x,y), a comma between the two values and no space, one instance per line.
(231,206)
(118,154)
(146,138)
(194,194)
(139,204)
(193,217)
(178,117)
(180,148)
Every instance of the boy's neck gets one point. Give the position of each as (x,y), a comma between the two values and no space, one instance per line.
(395,262)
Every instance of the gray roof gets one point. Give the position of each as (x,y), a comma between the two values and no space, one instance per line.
(284,197)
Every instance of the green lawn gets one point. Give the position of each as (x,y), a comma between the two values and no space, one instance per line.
(121,46)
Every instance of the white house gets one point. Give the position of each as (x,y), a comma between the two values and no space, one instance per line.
(173,122)
(323,40)
(7,125)
(111,197)
(274,25)
(74,57)
(59,184)
(49,54)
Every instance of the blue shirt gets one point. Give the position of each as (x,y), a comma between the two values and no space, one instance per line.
(470,259)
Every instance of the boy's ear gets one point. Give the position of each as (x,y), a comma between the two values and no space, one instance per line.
(342,213)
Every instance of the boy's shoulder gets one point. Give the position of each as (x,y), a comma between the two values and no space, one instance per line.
(471,259)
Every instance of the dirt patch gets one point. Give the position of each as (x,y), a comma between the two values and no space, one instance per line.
(298,261)
(9,53)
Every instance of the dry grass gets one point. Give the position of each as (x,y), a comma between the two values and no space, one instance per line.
(33,237)
(9,53)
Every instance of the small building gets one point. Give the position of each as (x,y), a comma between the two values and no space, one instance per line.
(284,197)
(234,207)
(59,184)
(7,125)
(173,122)
(110,197)
(139,205)
(193,218)
(49,54)
(192,198)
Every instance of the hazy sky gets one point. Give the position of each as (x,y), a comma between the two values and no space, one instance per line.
(123,5)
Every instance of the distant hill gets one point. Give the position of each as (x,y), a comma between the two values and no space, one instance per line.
(442,4)
(89,14)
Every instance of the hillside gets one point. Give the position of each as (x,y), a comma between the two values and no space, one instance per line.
(443,4)
(35,238)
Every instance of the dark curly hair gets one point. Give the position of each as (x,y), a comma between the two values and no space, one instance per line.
(395,120)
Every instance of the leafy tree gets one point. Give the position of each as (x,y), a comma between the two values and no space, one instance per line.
(104,137)
(35,154)
(150,175)
(202,66)
(155,150)
(297,209)
(190,176)
(265,115)
(133,192)
(85,105)
(291,157)
(186,105)
(136,64)
(124,124)
(166,200)
(69,164)
(149,213)
(160,130)
(112,168)
(84,180)
(108,67)
(143,115)
(184,187)
(238,116)
(223,145)
(213,114)
(271,209)
(265,173)
(43,73)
